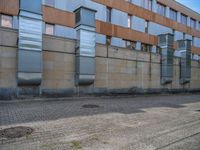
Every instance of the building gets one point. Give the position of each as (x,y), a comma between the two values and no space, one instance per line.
(69,47)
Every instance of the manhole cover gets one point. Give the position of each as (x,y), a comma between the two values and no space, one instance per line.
(90,106)
(15,132)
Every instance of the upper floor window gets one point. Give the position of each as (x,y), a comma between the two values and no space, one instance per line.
(161,9)
(49,29)
(146,26)
(173,14)
(50,2)
(147,4)
(108,14)
(129,21)
(146,47)
(130,44)
(108,40)
(6,21)
(192,23)
(184,36)
(199,25)
(183,19)
(193,39)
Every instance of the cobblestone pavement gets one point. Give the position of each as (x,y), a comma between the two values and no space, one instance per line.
(170,122)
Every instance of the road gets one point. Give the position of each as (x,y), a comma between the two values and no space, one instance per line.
(156,122)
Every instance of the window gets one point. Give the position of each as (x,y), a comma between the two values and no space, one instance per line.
(130,44)
(146,47)
(129,21)
(108,14)
(199,25)
(161,9)
(193,23)
(146,26)
(192,40)
(147,4)
(50,2)
(6,21)
(49,29)
(108,40)
(184,36)
(183,19)
(173,14)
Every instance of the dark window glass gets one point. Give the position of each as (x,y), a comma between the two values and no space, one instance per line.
(161,9)
(173,14)
(183,19)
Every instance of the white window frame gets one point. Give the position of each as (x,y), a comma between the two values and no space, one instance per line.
(1,20)
(129,21)
(52,25)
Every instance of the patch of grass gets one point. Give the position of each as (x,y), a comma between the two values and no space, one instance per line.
(76,145)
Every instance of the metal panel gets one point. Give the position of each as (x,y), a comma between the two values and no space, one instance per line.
(184,46)
(29,78)
(30,34)
(34,6)
(87,42)
(85,65)
(29,61)
(165,41)
(29,49)
(86,46)
(85,16)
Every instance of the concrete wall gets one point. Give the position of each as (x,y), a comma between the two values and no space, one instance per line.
(117,69)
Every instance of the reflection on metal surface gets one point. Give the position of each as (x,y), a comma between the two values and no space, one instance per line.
(184,46)
(30,34)
(87,42)
(165,41)
(86,46)
(29,78)
(30,47)
(85,79)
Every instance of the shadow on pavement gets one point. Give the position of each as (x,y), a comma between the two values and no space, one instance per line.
(24,112)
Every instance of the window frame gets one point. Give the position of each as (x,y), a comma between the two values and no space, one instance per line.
(132,44)
(129,21)
(147,47)
(183,15)
(1,20)
(49,25)
(173,12)
(108,14)
(159,6)
(146,26)
(199,25)
(194,21)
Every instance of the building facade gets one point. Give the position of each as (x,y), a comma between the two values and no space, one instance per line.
(69,47)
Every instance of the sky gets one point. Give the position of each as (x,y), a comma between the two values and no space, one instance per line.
(192,4)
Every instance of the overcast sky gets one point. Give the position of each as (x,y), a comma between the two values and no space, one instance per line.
(193,4)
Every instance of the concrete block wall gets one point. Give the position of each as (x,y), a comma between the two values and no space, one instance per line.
(118,70)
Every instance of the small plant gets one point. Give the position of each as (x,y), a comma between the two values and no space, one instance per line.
(76,144)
